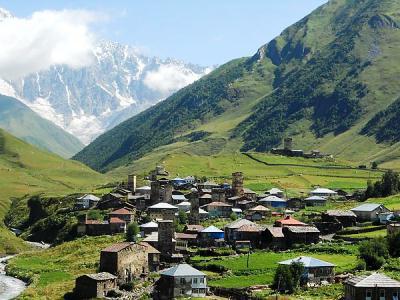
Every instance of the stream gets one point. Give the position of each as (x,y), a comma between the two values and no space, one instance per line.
(10,287)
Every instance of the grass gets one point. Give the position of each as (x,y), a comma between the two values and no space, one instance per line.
(392,202)
(262,266)
(372,234)
(25,170)
(52,272)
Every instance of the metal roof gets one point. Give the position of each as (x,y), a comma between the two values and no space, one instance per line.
(211,229)
(373,280)
(303,229)
(144,188)
(323,191)
(179,197)
(181,271)
(369,207)
(308,262)
(340,213)
(272,199)
(149,225)
(101,276)
(162,205)
(315,198)
(239,223)
(89,197)
(274,191)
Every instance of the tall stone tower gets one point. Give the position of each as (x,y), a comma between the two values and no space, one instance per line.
(165,236)
(155,192)
(132,182)
(237,184)
(194,216)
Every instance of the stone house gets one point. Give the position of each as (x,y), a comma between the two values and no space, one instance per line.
(180,281)
(211,236)
(124,214)
(249,194)
(288,221)
(315,270)
(258,213)
(94,285)
(371,287)
(252,234)
(205,199)
(301,235)
(315,201)
(274,238)
(219,209)
(231,229)
(345,217)
(295,203)
(273,201)
(148,228)
(369,212)
(129,260)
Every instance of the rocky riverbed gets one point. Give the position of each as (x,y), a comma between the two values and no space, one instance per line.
(9,287)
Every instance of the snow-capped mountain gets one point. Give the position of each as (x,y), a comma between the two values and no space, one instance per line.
(120,83)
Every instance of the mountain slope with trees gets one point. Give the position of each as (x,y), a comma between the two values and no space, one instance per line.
(321,81)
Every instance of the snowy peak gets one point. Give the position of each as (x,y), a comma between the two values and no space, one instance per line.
(5,14)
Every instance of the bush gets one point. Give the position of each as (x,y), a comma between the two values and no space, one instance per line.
(131,232)
(360,266)
(287,278)
(374,252)
(394,244)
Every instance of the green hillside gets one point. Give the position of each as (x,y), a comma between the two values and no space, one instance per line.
(21,121)
(321,81)
(24,169)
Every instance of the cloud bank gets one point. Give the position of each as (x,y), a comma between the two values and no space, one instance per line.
(46,38)
(169,78)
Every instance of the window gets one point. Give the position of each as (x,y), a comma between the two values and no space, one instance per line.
(381,293)
(194,280)
(183,281)
(202,280)
(368,295)
(182,292)
(395,296)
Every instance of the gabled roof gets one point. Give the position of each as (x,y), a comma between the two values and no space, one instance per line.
(184,203)
(117,247)
(368,207)
(182,270)
(219,204)
(116,220)
(149,225)
(194,227)
(179,197)
(144,188)
(373,280)
(162,205)
(212,229)
(185,236)
(290,221)
(303,229)
(205,196)
(315,198)
(249,191)
(272,198)
(340,213)
(239,223)
(274,191)
(149,248)
(259,208)
(121,211)
(89,197)
(275,231)
(323,191)
(237,210)
(308,262)
(249,228)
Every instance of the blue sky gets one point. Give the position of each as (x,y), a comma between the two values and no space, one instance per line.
(205,32)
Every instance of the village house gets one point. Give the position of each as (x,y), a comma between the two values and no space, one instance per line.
(273,202)
(218,194)
(183,240)
(249,194)
(231,229)
(184,206)
(295,203)
(129,260)
(211,236)
(178,197)
(288,221)
(300,235)
(246,204)
(162,211)
(87,201)
(144,191)
(207,185)
(315,271)
(219,209)
(123,214)
(98,285)
(203,215)
(369,212)
(114,200)
(323,192)
(371,287)
(148,228)
(274,238)
(193,228)
(315,201)
(251,234)
(276,192)
(205,199)
(258,213)
(180,281)
(96,227)
(346,218)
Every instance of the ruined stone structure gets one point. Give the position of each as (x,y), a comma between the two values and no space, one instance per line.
(94,285)
(165,238)
(237,184)
(128,260)
(194,216)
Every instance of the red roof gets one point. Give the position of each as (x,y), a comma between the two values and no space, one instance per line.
(115,220)
(90,222)
(121,211)
(289,221)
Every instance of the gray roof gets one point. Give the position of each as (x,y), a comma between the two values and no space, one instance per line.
(212,229)
(272,198)
(163,205)
(368,207)
(315,198)
(301,229)
(179,197)
(239,223)
(149,225)
(181,271)
(373,280)
(101,276)
(340,213)
(308,262)
(89,197)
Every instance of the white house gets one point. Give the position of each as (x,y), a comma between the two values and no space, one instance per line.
(323,192)
(87,201)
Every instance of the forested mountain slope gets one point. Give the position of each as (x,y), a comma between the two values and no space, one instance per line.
(321,81)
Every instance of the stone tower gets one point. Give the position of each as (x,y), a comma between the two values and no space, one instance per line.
(155,192)
(132,182)
(194,216)
(165,236)
(288,144)
(237,184)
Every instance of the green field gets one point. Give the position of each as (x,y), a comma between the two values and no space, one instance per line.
(25,170)
(52,272)
(262,266)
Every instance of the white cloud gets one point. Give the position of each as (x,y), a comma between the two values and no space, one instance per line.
(169,78)
(46,38)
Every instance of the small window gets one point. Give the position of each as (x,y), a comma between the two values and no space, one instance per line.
(195,280)
(202,280)
(382,293)
(182,292)
(183,281)
(368,294)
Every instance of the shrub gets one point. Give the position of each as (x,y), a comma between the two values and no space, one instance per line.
(287,278)
(131,232)
(374,252)
(394,244)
